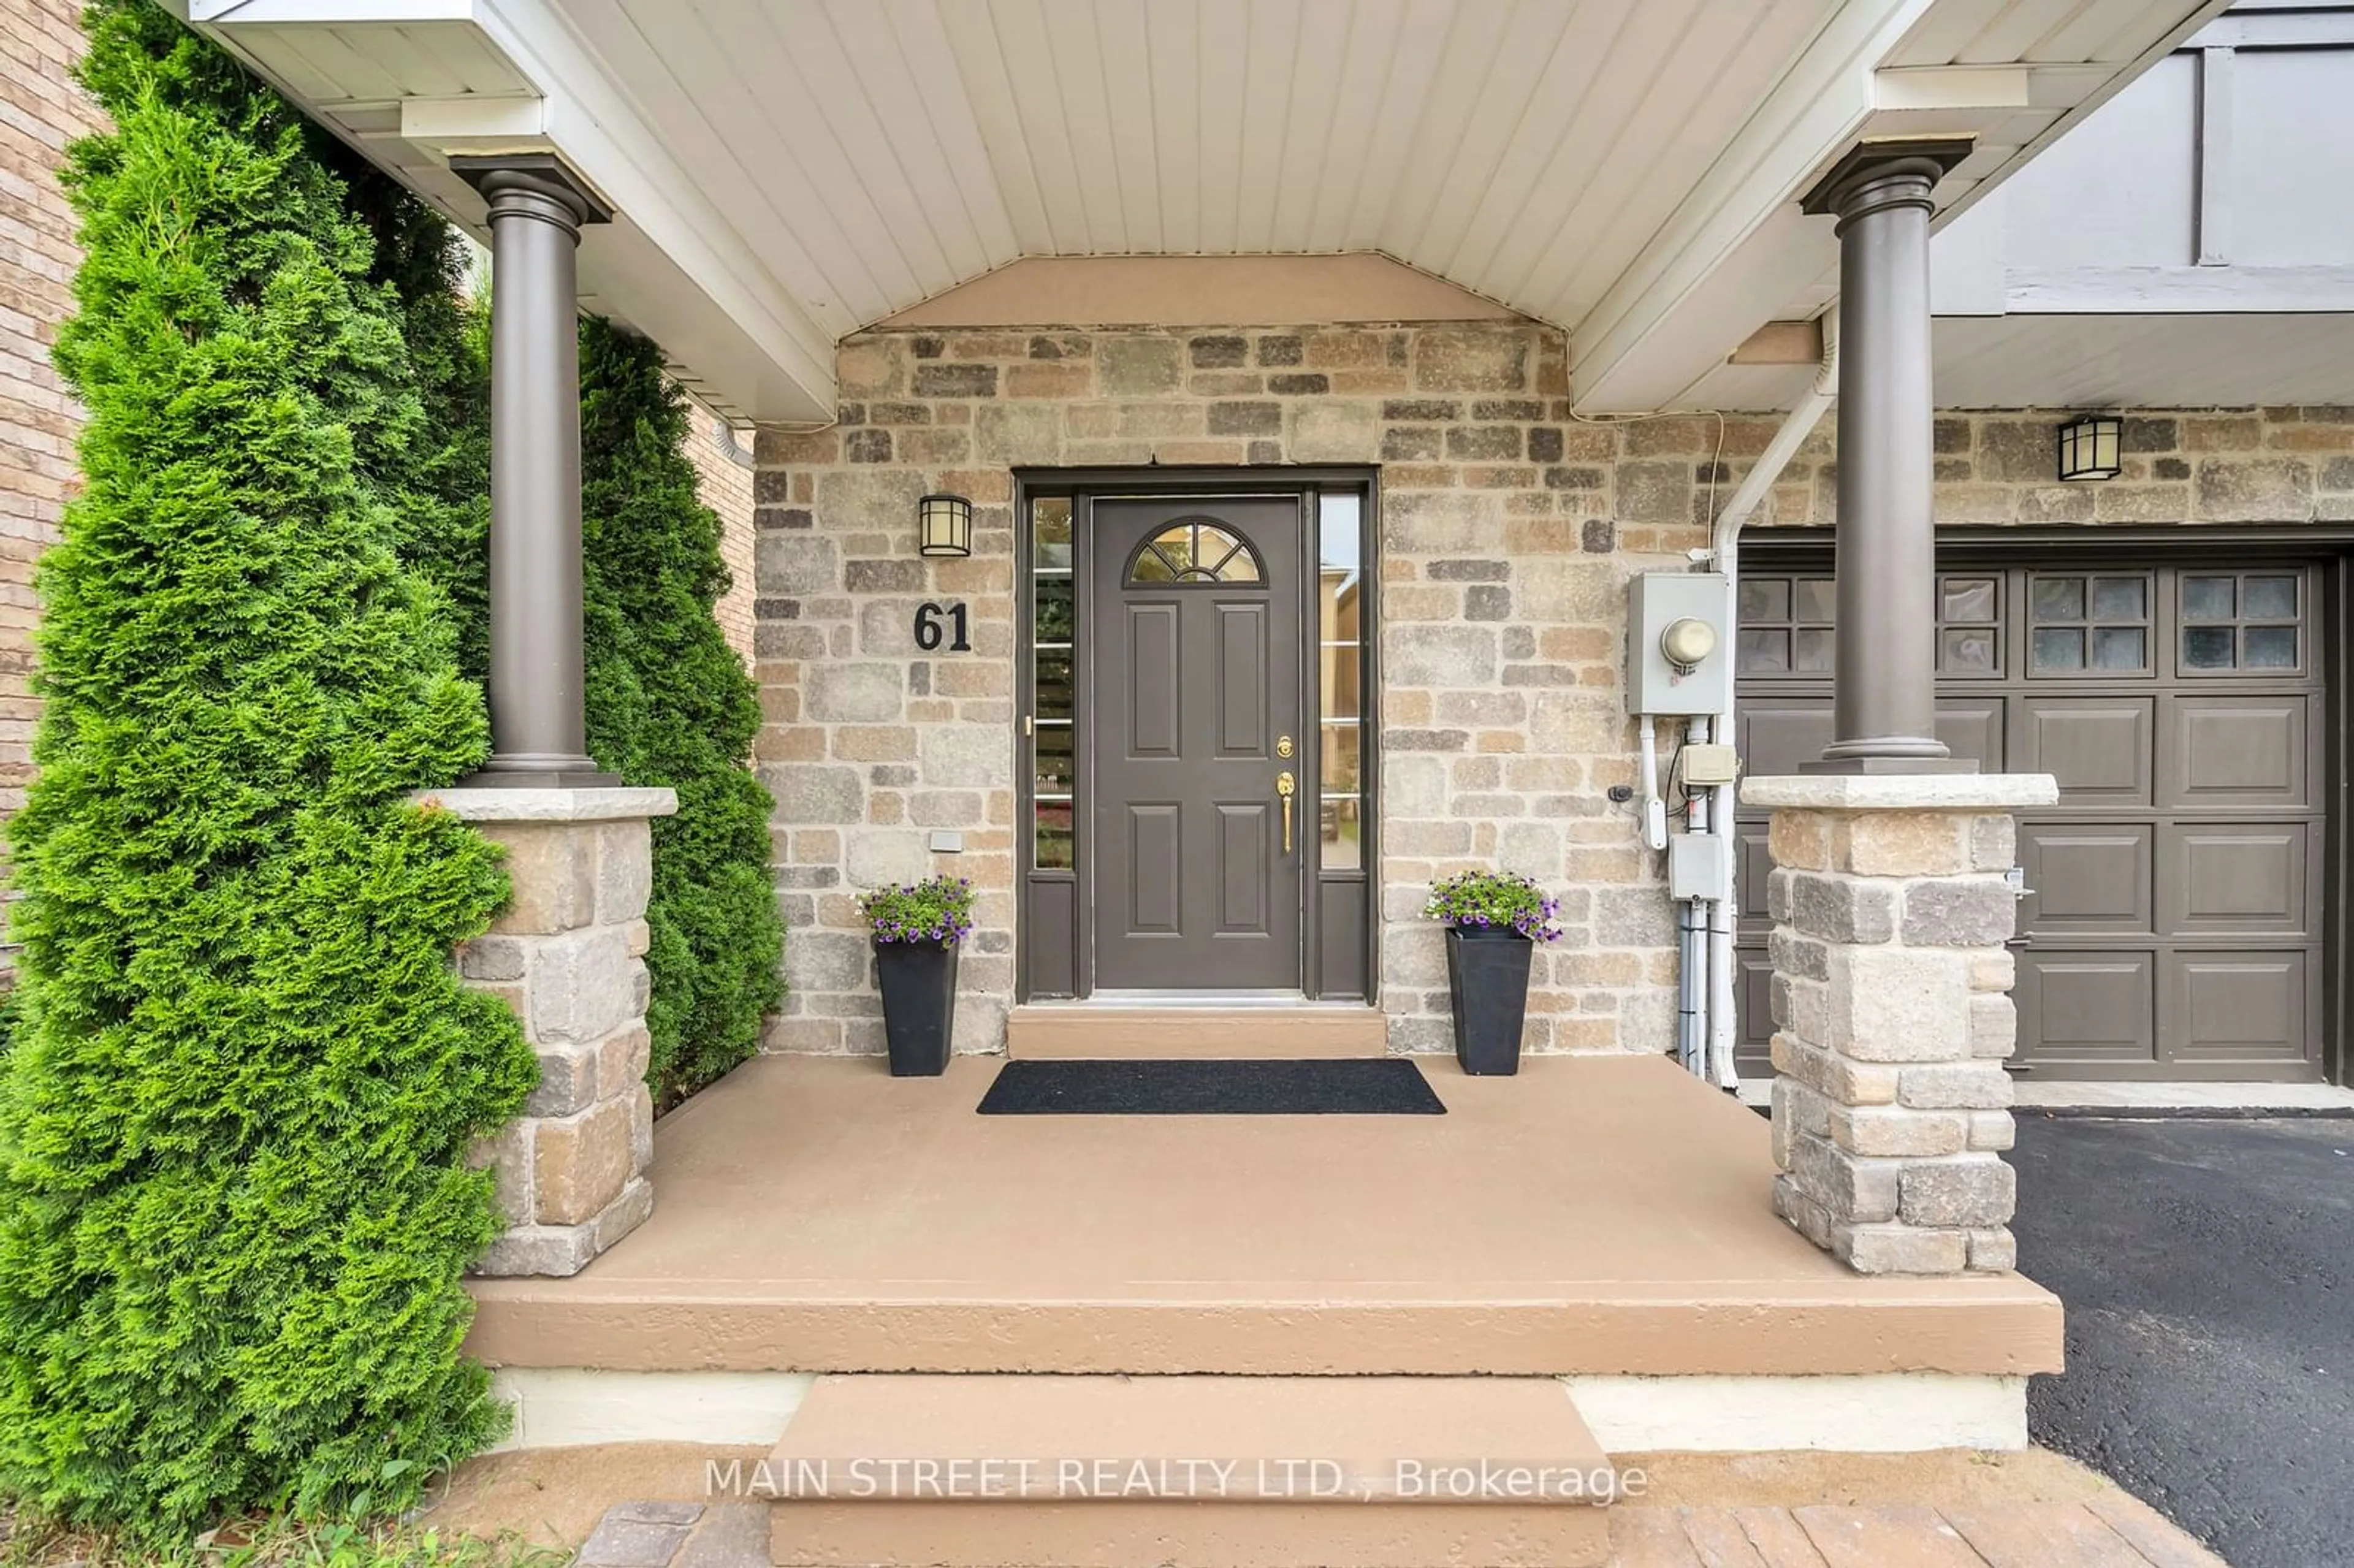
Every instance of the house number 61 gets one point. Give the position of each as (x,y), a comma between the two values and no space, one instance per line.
(933,621)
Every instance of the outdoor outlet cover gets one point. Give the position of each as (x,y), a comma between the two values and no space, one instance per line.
(947,841)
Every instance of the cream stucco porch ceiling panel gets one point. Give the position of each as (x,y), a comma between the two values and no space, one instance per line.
(1523,149)
(786,172)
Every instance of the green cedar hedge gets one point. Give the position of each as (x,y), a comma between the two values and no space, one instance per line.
(235,1200)
(671,703)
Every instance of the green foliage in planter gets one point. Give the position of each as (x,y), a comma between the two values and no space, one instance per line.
(671,703)
(938,909)
(235,1197)
(1494,900)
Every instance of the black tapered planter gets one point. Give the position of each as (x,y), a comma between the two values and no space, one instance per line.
(1487,978)
(918,982)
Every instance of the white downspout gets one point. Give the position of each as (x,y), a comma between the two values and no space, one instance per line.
(1725,552)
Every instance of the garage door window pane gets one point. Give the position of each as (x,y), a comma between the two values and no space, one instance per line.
(2209,598)
(2060,599)
(1968,651)
(2272,599)
(1765,599)
(2059,648)
(2270,647)
(2119,598)
(2206,647)
(1816,650)
(2120,648)
(1763,653)
(1818,601)
(1969,599)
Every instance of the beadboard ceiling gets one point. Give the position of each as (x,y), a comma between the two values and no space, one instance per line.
(828,162)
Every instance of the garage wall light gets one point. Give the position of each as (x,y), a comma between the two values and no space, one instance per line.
(2089,446)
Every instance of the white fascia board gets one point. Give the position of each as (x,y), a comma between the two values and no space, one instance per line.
(603,138)
(1927,88)
(458,125)
(327,13)
(1692,295)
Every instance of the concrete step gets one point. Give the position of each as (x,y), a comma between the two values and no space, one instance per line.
(1069,1031)
(996,1470)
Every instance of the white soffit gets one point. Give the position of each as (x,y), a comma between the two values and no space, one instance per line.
(2125,361)
(789,171)
(2012,73)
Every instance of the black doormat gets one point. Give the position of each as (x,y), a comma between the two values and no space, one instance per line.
(1367,1085)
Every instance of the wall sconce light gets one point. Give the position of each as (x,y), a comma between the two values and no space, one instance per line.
(2089,445)
(944,526)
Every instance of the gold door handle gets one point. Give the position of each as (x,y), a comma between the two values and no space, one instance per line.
(1284,786)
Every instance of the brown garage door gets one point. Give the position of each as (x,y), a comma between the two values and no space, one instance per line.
(2174,925)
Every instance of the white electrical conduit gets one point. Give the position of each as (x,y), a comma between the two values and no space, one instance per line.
(1725,552)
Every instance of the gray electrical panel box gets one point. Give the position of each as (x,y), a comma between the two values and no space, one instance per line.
(1656,685)
(1696,866)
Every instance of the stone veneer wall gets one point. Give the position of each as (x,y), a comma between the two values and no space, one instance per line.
(2214,465)
(725,485)
(40,110)
(1503,578)
(1509,532)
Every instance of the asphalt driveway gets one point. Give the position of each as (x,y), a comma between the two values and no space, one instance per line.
(2208,1269)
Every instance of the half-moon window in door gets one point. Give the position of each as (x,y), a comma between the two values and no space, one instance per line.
(1194,550)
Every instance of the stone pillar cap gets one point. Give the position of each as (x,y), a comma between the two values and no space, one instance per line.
(1901,791)
(604,804)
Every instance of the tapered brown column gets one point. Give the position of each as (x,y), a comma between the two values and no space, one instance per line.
(1884,674)
(538,715)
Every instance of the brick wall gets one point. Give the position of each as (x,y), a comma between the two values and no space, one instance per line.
(726,486)
(1509,532)
(40,110)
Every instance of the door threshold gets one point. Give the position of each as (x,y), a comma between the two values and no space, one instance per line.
(1157,1000)
(1115,1028)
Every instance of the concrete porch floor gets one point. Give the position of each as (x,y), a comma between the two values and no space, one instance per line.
(1594,1216)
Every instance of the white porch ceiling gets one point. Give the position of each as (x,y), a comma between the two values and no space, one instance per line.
(789,171)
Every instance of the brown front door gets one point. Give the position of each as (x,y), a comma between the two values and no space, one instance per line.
(1195,693)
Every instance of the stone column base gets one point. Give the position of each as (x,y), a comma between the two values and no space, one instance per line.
(1892,1013)
(568,955)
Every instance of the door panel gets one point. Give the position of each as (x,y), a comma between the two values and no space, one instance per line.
(2086,876)
(2098,747)
(1779,734)
(2242,878)
(1242,681)
(1972,730)
(2236,752)
(1194,887)
(2089,1006)
(1244,848)
(1156,869)
(2237,1007)
(1155,688)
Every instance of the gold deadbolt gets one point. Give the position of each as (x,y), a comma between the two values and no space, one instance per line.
(1283,745)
